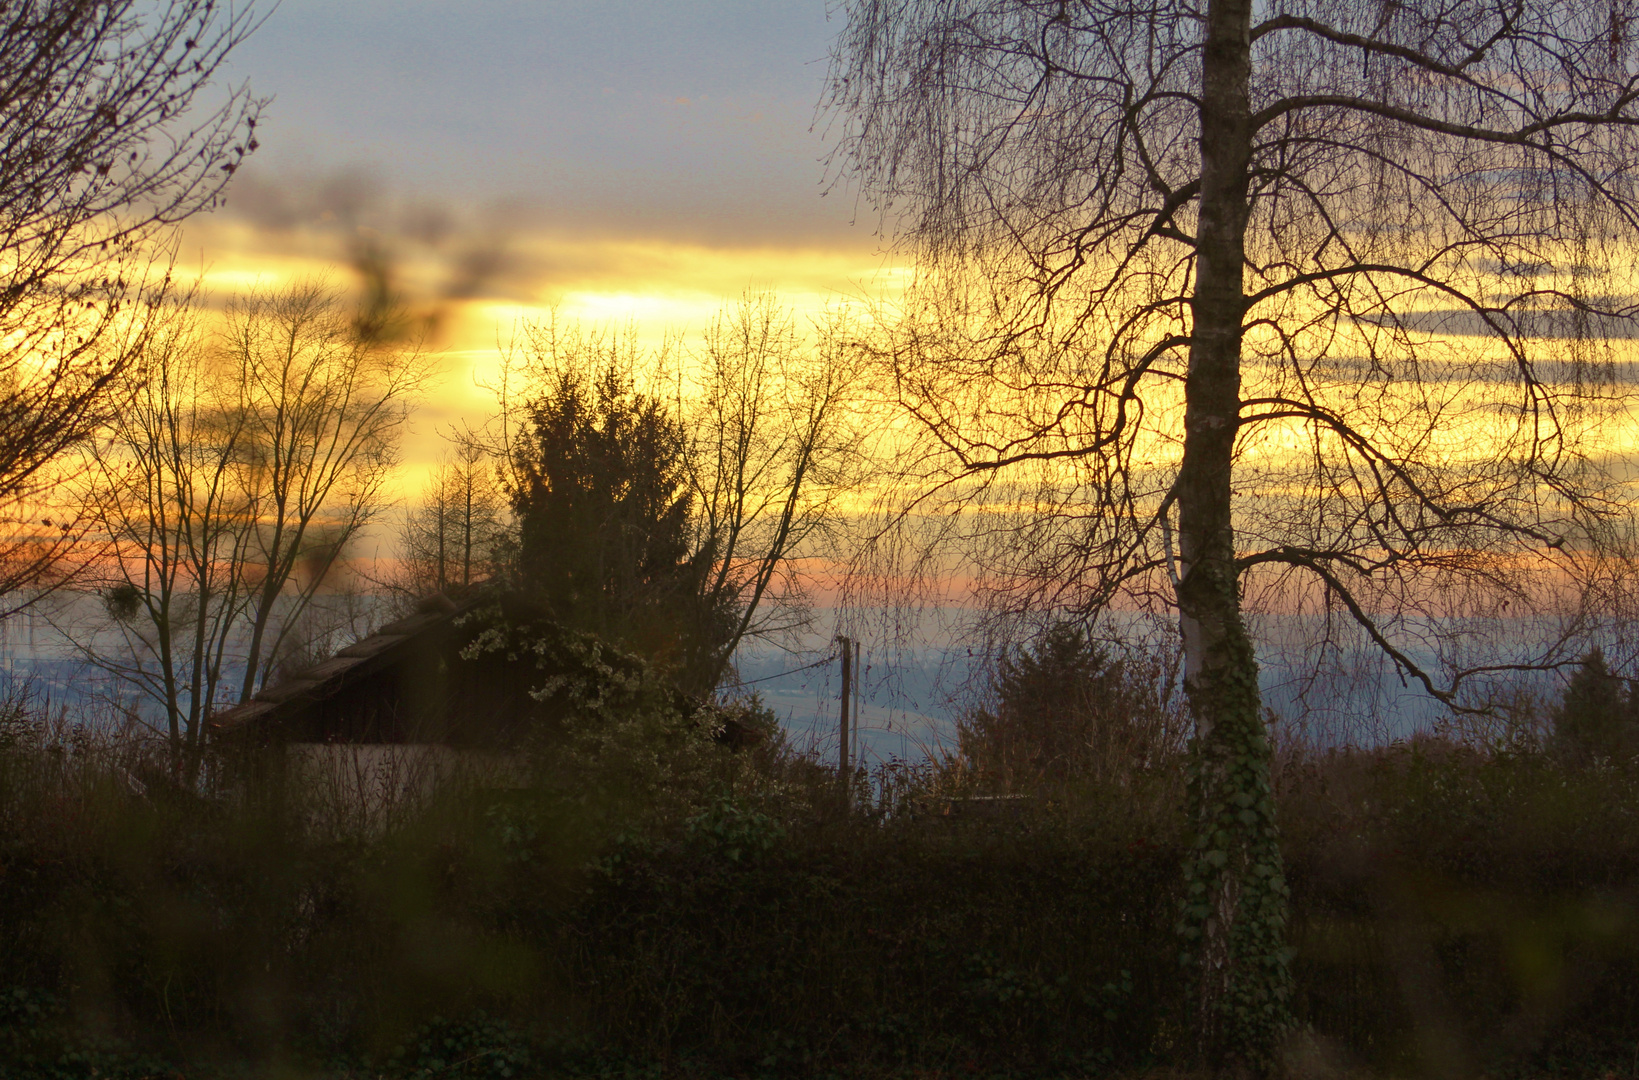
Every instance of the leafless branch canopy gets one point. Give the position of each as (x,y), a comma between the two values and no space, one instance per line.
(324,409)
(107,138)
(1439,300)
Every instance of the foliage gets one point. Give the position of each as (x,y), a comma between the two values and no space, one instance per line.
(727,830)
(838,945)
(1596,717)
(1279,274)
(614,734)
(669,499)
(1242,970)
(1476,905)
(605,518)
(1452,912)
(38,1042)
(479,1047)
(1067,707)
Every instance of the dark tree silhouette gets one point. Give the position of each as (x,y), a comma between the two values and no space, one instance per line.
(1067,708)
(107,139)
(772,449)
(703,483)
(605,520)
(1595,718)
(457,536)
(322,411)
(1333,282)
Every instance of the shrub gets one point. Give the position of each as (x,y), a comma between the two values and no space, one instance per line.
(1453,912)
(1595,719)
(1069,708)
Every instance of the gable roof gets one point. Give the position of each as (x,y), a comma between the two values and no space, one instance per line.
(386,647)
(412,681)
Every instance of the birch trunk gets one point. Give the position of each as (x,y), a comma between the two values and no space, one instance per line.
(1235,909)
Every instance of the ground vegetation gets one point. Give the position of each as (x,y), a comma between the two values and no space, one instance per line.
(673,906)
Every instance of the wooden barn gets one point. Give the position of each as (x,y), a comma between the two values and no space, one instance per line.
(386,720)
(407,683)
(414,703)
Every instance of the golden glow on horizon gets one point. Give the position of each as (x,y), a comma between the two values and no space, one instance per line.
(658,289)
(654,287)
(657,285)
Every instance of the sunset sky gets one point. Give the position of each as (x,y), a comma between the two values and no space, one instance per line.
(643,164)
(620,160)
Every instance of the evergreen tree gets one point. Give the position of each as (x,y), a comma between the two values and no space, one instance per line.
(1068,708)
(1595,715)
(605,520)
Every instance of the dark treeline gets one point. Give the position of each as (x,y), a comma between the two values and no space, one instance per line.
(653,902)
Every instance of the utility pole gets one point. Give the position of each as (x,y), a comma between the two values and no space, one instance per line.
(858,676)
(843,774)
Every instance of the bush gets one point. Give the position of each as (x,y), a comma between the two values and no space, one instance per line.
(1069,708)
(1452,912)
(1596,717)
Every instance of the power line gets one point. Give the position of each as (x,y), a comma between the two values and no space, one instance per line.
(817,663)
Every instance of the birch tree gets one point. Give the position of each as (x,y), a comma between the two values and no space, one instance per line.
(1340,286)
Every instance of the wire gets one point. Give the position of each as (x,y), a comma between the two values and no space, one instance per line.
(817,663)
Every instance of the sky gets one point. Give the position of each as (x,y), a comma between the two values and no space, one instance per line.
(614,161)
(684,119)
(619,162)
(636,127)
(611,160)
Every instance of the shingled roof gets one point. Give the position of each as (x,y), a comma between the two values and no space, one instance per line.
(385,648)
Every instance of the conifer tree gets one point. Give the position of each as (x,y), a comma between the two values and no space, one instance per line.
(605,520)
(1594,719)
(1066,709)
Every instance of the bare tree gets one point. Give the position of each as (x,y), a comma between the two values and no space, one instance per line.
(175,526)
(458,533)
(767,449)
(105,143)
(1341,284)
(323,410)
(222,495)
(772,448)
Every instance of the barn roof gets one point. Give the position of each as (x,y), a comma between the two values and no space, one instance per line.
(384,648)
